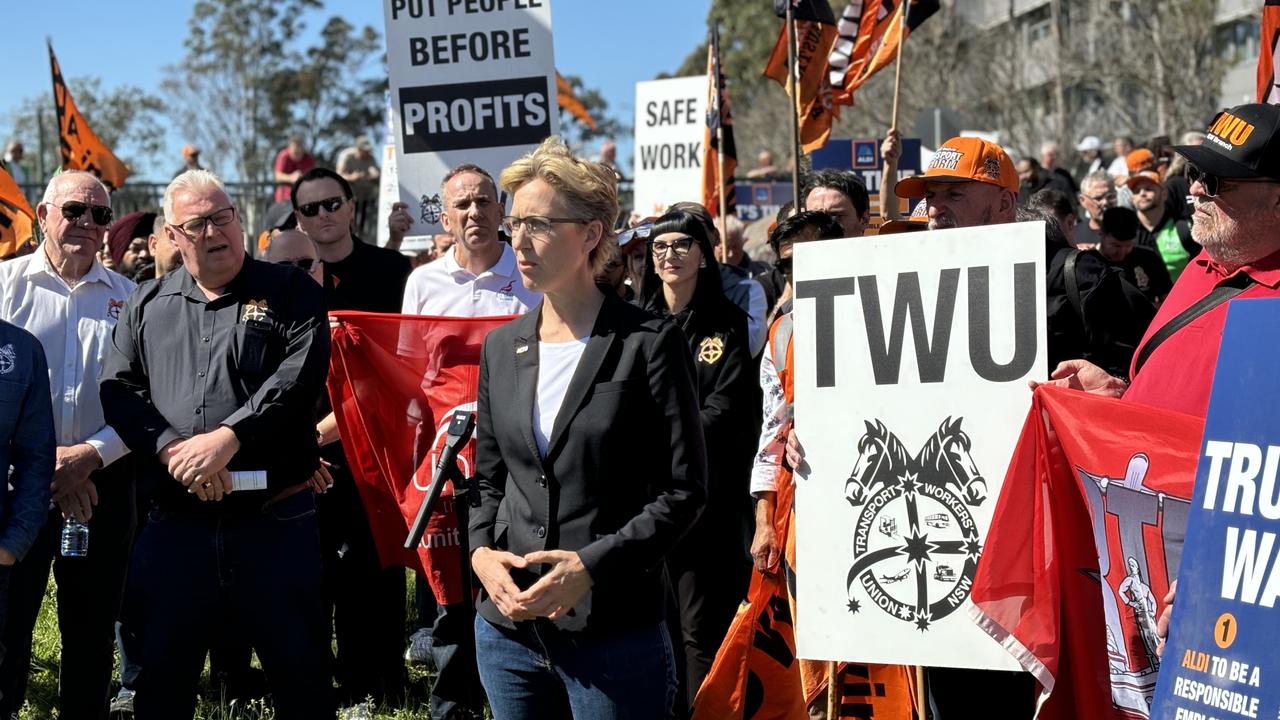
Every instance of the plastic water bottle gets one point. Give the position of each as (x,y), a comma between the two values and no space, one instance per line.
(75,538)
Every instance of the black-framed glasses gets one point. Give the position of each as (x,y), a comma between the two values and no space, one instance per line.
(640,231)
(1212,184)
(536,225)
(72,211)
(680,247)
(196,226)
(330,205)
(303,263)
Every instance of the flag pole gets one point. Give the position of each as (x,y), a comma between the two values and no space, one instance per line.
(897,64)
(794,85)
(833,692)
(719,101)
(922,696)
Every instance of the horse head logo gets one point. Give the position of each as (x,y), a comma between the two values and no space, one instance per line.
(946,459)
(879,453)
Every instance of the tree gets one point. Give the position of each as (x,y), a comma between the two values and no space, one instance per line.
(577,133)
(124,118)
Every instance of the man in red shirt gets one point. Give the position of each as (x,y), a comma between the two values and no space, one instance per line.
(291,163)
(1235,182)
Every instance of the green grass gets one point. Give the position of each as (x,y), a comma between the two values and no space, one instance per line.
(42,689)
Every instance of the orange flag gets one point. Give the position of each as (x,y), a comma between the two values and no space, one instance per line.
(81,148)
(869,36)
(717,180)
(568,100)
(814,41)
(16,217)
(1268,90)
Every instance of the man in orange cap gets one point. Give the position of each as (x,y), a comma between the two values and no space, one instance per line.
(1160,230)
(190,159)
(969,182)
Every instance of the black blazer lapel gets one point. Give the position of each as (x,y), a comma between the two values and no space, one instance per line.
(593,356)
(525,349)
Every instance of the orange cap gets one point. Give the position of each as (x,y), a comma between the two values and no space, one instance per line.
(188,150)
(1139,160)
(1140,177)
(919,220)
(964,159)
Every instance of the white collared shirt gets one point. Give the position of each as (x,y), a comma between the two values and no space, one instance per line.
(74,325)
(443,288)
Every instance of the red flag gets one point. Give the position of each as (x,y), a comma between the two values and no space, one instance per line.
(868,40)
(1085,539)
(814,41)
(717,180)
(81,148)
(568,101)
(1268,90)
(395,381)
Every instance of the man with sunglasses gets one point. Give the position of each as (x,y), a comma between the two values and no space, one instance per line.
(63,295)
(1235,185)
(366,599)
(212,378)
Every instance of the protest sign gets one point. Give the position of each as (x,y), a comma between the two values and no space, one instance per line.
(471,82)
(1221,661)
(671,120)
(862,156)
(758,200)
(911,389)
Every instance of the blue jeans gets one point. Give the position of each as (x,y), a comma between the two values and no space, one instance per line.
(537,671)
(195,581)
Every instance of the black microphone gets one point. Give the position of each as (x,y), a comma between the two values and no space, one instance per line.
(460,429)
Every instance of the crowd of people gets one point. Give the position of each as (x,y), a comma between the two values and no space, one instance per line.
(163,391)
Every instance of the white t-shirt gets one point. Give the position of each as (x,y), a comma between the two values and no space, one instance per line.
(443,288)
(556,365)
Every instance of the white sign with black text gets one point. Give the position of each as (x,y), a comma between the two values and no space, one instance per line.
(671,123)
(472,81)
(912,356)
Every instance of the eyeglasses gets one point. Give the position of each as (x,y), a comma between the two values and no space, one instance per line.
(1109,197)
(330,205)
(304,263)
(680,247)
(195,227)
(640,231)
(1212,184)
(72,211)
(536,225)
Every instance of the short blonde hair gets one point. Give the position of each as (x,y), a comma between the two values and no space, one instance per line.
(589,189)
(189,181)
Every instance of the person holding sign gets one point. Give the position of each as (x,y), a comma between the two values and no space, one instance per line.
(574,523)
(709,569)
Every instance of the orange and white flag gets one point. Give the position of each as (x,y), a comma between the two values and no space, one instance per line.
(869,35)
(81,148)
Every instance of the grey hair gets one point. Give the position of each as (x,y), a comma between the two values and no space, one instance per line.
(189,181)
(51,190)
(1101,176)
(1192,137)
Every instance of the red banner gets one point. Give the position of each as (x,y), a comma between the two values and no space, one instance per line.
(1084,542)
(1268,90)
(395,381)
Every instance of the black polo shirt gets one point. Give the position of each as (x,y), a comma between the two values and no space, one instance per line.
(254,360)
(371,279)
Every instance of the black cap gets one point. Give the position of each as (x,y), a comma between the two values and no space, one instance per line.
(1243,142)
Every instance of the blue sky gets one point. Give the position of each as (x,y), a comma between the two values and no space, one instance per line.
(611,44)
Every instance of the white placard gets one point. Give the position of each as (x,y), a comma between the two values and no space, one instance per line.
(912,356)
(671,123)
(472,81)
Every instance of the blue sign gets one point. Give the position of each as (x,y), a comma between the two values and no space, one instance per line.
(758,200)
(1221,661)
(863,158)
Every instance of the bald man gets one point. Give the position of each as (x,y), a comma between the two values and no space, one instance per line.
(293,247)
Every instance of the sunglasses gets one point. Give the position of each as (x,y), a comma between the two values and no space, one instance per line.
(1212,184)
(640,231)
(330,205)
(72,211)
(304,264)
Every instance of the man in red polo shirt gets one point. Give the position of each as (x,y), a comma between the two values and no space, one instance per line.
(1235,182)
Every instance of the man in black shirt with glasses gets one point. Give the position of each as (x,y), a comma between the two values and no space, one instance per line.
(211,379)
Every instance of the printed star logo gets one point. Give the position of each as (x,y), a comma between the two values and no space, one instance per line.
(918,548)
(910,483)
(854,606)
(904,612)
(923,619)
(973,549)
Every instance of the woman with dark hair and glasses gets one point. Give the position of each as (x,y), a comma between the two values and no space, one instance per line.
(590,466)
(710,569)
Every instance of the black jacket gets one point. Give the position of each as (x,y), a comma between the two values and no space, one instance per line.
(625,471)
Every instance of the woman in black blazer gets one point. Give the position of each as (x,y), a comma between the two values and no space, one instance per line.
(590,466)
(710,569)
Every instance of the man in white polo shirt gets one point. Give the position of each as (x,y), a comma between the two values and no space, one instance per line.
(477,277)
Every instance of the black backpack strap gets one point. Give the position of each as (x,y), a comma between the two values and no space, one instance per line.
(1224,292)
(1073,285)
